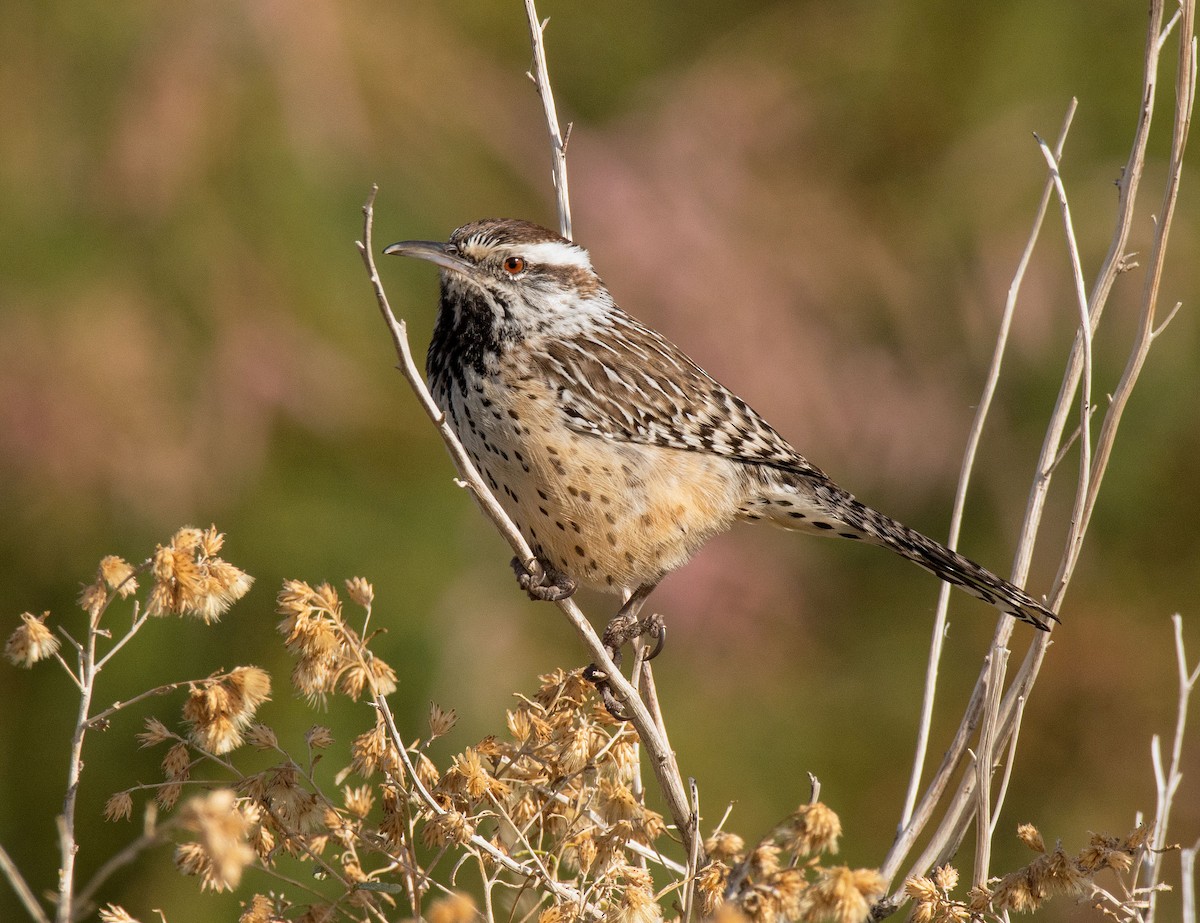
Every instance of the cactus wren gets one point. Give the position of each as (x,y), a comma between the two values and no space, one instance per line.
(613,452)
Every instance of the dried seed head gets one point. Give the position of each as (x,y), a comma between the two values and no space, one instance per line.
(637,900)
(319,737)
(921,889)
(559,913)
(259,909)
(366,752)
(728,913)
(1105,852)
(1061,874)
(358,801)
(177,764)
(221,852)
(979,899)
(575,751)
(725,847)
(167,794)
(156,732)
(92,597)
(220,708)
(190,580)
(118,807)
(813,828)
(946,877)
(843,895)
(764,860)
(1028,834)
(710,885)
(468,773)
(31,641)
(1016,892)
(616,802)
(440,720)
(118,574)
(453,908)
(447,829)
(360,592)
(1138,837)
(519,725)
(115,913)
(261,737)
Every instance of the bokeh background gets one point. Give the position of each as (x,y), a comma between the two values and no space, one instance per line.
(823,203)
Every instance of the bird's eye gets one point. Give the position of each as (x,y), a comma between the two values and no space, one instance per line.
(514,265)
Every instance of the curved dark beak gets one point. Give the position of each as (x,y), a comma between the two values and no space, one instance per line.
(432,251)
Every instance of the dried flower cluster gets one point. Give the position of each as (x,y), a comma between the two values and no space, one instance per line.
(189,578)
(31,641)
(782,878)
(220,708)
(220,852)
(330,654)
(1051,873)
(550,813)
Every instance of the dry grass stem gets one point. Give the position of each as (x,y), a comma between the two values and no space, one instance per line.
(958,813)
(970,453)
(540,76)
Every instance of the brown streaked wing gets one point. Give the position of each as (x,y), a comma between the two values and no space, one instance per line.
(626,382)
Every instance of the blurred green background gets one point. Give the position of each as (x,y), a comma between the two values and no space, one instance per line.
(822,203)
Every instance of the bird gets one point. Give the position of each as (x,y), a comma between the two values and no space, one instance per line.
(613,452)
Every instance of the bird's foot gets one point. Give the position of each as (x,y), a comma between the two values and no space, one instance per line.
(627,627)
(623,629)
(549,586)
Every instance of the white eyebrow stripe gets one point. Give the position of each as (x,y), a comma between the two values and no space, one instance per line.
(553,253)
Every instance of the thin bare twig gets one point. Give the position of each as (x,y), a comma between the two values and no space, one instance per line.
(558,144)
(694,854)
(958,814)
(1083,487)
(1009,762)
(997,661)
(1187,868)
(964,478)
(68,847)
(21,887)
(1167,778)
(1185,97)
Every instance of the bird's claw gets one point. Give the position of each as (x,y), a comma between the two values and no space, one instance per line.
(549,586)
(620,631)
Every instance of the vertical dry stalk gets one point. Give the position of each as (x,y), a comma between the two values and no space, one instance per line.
(975,436)
(1006,714)
(68,848)
(1168,777)
(540,75)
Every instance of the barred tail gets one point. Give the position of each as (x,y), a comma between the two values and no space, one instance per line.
(817,505)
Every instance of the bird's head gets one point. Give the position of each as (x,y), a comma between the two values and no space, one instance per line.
(522,272)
